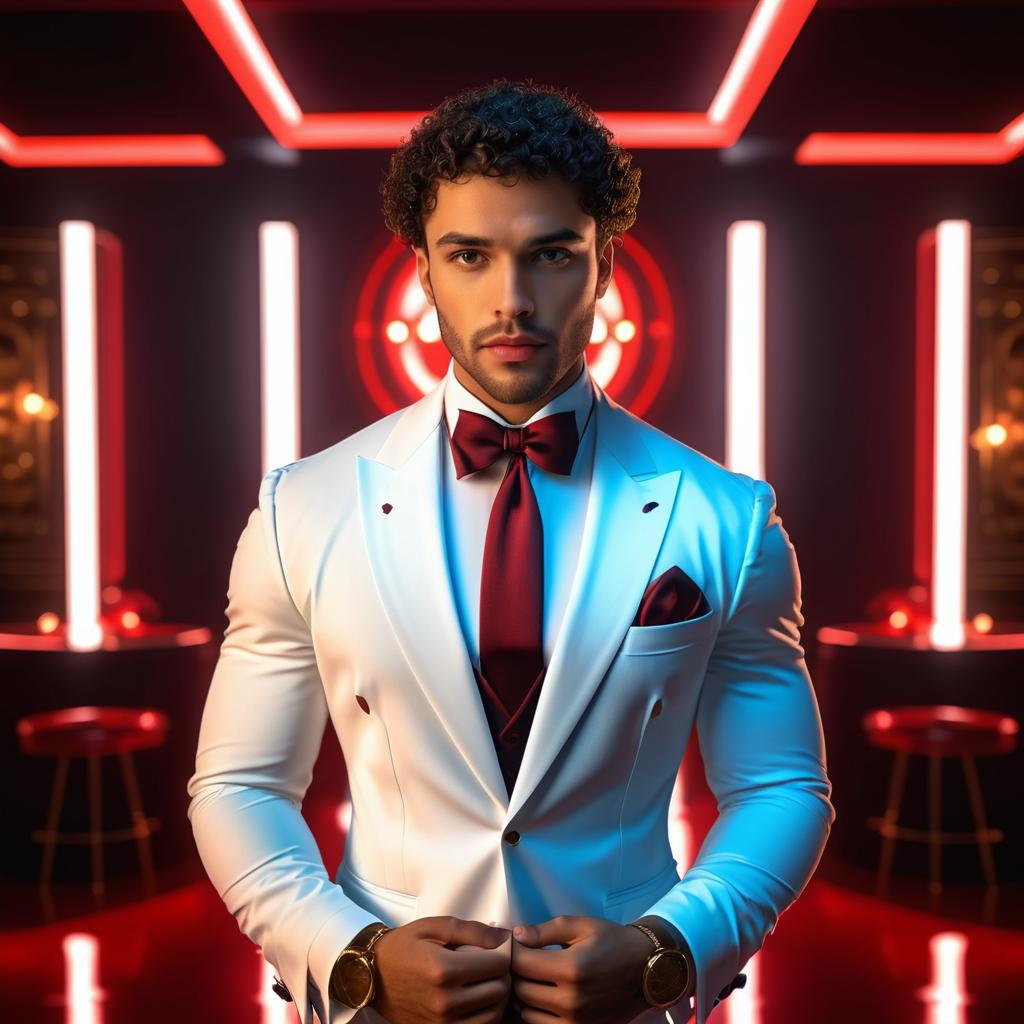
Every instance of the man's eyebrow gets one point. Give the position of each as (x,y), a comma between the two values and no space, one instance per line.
(456,238)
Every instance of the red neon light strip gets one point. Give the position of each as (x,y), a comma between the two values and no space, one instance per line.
(108,150)
(908,148)
(769,35)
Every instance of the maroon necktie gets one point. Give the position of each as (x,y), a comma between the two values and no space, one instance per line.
(512,577)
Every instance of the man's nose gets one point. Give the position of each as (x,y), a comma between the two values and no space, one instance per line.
(515,298)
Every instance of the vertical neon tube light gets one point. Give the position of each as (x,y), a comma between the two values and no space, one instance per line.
(279,342)
(744,398)
(81,470)
(744,431)
(952,288)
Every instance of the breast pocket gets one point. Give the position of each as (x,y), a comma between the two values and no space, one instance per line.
(671,636)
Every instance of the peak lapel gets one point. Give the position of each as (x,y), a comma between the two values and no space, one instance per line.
(618,549)
(408,561)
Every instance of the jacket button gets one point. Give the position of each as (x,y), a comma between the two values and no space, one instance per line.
(656,710)
(361,701)
(512,837)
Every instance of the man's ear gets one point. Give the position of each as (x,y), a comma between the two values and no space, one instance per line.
(423,272)
(605,264)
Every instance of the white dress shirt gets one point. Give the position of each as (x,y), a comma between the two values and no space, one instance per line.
(562,501)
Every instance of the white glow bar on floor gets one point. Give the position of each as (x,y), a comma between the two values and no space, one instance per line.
(279,342)
(946,998)
(744,373)
(81,449)
(82,996)
(949,503)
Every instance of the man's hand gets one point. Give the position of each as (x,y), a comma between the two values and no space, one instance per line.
(440,969)
(595,978)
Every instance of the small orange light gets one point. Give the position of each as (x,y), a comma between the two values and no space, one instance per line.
(33,403)
(898,619)
(48,622)
(397,331)
(625,330)
(130,620)
(982,623)
(995,434)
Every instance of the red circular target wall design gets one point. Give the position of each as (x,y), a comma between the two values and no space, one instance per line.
(400,355)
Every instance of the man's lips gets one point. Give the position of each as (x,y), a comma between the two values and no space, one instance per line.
(515,339)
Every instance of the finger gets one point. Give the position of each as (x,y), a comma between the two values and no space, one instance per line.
(540,964)
(454,931)
(470,964)
(562,930)
(485,1016)
(539,996)
(485,995)
(530,1015)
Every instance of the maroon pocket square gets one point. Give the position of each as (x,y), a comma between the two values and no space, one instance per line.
(672,597)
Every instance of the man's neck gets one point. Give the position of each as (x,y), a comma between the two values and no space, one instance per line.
(518,413)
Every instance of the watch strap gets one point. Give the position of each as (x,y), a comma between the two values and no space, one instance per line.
(367,936)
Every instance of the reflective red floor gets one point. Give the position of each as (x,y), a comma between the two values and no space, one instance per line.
(837,955)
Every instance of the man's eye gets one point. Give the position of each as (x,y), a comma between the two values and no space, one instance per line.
(560,256)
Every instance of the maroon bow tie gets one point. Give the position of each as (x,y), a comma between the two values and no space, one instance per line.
(551,442)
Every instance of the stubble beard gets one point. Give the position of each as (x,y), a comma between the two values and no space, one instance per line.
(519,387)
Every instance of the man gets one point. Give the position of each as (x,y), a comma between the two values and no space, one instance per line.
(513,599)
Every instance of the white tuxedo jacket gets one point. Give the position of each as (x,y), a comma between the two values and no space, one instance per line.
(339,610)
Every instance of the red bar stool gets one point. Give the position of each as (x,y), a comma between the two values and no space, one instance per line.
(935,732)
(92,733)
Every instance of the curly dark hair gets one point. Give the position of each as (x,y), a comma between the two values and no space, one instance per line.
(500,130)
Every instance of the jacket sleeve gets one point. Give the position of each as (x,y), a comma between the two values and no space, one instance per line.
(764,758)
(260,734)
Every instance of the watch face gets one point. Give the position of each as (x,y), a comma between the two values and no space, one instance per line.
(353,978)
(667,977)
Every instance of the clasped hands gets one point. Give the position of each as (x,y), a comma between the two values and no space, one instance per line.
(440,969)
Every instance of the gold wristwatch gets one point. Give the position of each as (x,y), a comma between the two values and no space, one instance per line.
(667,974)
(354,976)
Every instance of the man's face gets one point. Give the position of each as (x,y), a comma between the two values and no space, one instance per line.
(491,268)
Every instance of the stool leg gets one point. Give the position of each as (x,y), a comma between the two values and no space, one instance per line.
(131,787)
(980,823)
(95,824)
(897,779)
(934,823)
(60,779)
